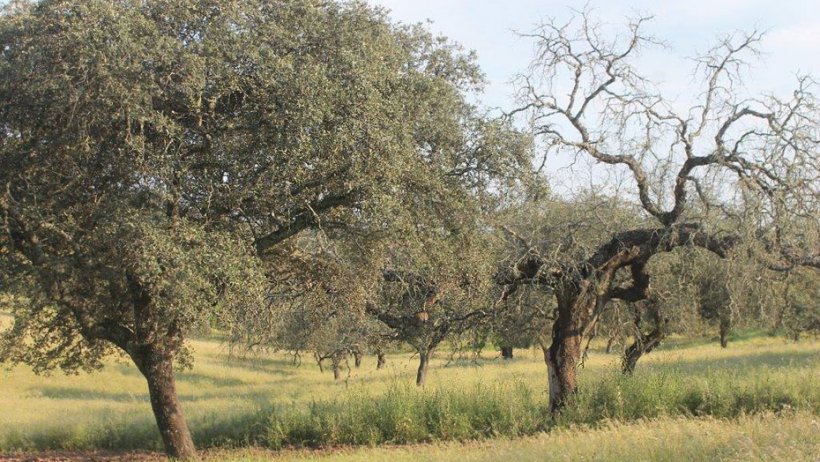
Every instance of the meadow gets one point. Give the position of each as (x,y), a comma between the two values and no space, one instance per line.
(759,397)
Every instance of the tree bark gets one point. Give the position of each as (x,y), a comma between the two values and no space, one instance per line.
(159,373)
(424,364)
(507,352)
(357,359)
(380,359)
(564,353)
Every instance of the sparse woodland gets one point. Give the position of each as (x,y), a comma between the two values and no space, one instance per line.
(312,182)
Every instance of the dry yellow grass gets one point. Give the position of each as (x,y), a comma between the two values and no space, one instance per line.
(221,391)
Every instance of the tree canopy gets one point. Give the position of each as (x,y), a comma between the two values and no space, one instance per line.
(160,156)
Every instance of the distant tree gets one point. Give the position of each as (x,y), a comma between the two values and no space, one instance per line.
(715,301)
(423,311)
(750,163)
(801,304)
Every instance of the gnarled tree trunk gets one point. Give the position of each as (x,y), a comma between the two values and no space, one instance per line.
(575,313)
(159,373)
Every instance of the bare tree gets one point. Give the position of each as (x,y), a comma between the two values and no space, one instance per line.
(749,162)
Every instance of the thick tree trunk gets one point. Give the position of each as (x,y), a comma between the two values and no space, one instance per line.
(564,353)
(507,352)
(562,360)
(380,359)
(159,373)
(424,364)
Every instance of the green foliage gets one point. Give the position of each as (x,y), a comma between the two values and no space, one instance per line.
(193,278)
(234,126)
(801,310)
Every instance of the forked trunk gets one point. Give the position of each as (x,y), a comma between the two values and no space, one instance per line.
(650,310)
(424,364)
(159,373)
(640,347)
(319,361)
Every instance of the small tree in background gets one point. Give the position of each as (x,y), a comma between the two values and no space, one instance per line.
(715,301)
(801,307)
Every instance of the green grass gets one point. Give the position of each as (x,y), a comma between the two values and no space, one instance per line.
(268,402)
(787,437)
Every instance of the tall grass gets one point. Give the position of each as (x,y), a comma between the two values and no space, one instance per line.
(406,414)
(787,437)
(266,401)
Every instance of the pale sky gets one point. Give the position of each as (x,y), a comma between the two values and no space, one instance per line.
(689,27)
(792,43)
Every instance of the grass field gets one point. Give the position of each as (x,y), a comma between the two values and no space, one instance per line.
(265,401)
(788,437)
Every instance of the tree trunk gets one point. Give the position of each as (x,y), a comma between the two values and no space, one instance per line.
(562,360)
(507,352)
(723,329)
(640,347)
(610,343)
(159,373)
(336,361)
(380,359)
(564,353)
(645,343)
(424,364)
(357,359)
